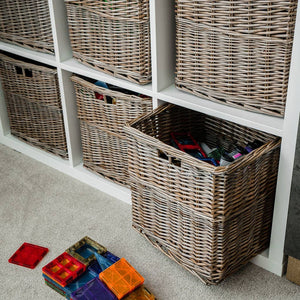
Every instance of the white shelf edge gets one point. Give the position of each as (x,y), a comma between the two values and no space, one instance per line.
(104,185)
(270,124)
(78,172)
(268,264)
(72,65)
(45,58)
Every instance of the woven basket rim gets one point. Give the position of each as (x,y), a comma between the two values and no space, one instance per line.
(28,65)
(141,18)
(105,91)
(215,170)
(263,38)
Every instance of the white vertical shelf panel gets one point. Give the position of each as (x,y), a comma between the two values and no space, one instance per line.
(162,18)
(289,139)
(71,121)
(60,30)
(4,121)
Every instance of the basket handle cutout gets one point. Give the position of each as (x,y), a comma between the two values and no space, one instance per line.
(28,73)
(24,72)
(171,159)
(19,70)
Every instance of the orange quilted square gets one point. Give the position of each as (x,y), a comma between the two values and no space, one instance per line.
(121,278)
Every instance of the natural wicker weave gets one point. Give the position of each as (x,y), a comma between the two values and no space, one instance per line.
(211,220)
(33,104)
(112,36)
(236,52)
(26,23)
(103,141)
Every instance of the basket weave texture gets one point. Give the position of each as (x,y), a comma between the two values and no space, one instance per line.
(101,123)
(211,220)
(112,36)
(26,23)
(236,52)
(33,104)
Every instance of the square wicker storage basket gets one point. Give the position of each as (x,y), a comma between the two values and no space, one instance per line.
(112,36)
(211,220)
(26,23)
(236,52)
(101,123)
(33,103)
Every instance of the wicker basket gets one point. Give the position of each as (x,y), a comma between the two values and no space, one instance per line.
(112,36)
(33,104)
(236,52)
(211,220)
(103,141)
(26,23)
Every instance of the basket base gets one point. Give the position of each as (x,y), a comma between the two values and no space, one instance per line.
(19,41)
(98,171)
(36,143)
(123,74)
(230,101)
(207,281)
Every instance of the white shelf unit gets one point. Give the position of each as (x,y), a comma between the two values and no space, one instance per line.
(161,90)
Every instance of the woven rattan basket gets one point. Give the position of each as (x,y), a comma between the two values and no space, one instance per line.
(26,23)
(103,141)
(211,220)
(112,36)
(236,52)
(33,104)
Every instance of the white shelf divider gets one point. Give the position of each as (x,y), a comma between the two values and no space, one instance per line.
(270,124)
(286,163)
(4,121)
(162,20)
(45,58)
(71,122)
(60,30)
(72,65)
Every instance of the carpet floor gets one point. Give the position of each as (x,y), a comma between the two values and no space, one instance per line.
(42,206)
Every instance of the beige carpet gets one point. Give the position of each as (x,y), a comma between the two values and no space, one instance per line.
(42,206)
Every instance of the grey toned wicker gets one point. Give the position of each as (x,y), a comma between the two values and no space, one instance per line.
(236,52)
(112,36)
(26,23)
(211,220)
(103,141)
(33,104)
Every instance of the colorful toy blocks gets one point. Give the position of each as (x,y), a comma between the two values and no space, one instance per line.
(140,294)
(103,277)
(111,256)
(28,255)
(84,250)
(121,278)
(75,285)
(64,269)
(56,289)
(93,290)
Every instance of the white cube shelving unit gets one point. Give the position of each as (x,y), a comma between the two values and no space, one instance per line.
(161,90)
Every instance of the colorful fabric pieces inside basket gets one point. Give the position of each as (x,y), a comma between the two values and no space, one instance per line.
(64,269)
(84,250)
(121,278)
